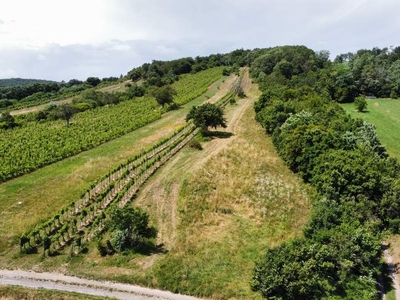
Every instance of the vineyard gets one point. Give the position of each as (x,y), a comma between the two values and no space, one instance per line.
(25,149)
(84,219)
(28,148)
(192,86)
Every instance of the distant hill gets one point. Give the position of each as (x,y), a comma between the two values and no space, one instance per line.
(21,82)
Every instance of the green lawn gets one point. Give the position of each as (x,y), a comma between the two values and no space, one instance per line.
(385,115)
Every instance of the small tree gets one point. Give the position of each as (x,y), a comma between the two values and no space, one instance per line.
(207,115)
(7,121)
(360,103)
(165,94)
(66,112)
(130,227)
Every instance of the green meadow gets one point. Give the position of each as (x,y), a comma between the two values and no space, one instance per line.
(385,115)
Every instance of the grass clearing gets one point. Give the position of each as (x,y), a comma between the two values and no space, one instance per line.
(46,190)
(384,114)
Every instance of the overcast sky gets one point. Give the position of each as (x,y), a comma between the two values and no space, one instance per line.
(61,40)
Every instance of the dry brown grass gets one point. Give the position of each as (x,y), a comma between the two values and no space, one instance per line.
(216,210)
(242,200)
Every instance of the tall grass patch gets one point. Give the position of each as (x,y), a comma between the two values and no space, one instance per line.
(242,201)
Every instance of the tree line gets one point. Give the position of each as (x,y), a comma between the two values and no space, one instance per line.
(357,182)
(37,91)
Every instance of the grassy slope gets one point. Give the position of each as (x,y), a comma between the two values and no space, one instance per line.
(48,189)
(14,292)
(217,210)
(385,114)
(242,201)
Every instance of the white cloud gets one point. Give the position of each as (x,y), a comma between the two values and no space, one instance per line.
(8,73)
(67,39)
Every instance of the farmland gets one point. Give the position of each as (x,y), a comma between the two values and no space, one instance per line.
(35,145)
(239,204)
(73,175)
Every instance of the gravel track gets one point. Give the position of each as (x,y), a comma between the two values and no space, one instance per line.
(55,281)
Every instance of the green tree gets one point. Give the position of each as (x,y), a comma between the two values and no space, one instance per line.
(207,115)
(295,270)
(7,121)
(130,227)
(165,94)
(361,104)
(66,112)
(93,81)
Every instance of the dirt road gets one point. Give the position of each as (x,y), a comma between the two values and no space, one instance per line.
(54,281)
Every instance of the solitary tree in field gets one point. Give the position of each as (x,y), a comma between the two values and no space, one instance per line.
(66,112)
(207,115)
(360,103)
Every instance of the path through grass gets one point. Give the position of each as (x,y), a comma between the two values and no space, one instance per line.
(242,201)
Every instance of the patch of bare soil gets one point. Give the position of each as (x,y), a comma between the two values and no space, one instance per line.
(392,258)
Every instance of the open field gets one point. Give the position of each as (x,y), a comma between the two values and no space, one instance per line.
(45,191)
(385,115)
(217,210)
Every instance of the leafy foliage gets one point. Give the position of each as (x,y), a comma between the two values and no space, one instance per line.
(130,227)
(361,104)
(307,269)
(7,121)
(164,95)
(207,115)
(357,184)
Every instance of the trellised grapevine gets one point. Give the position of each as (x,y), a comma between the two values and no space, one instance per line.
(191,86)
